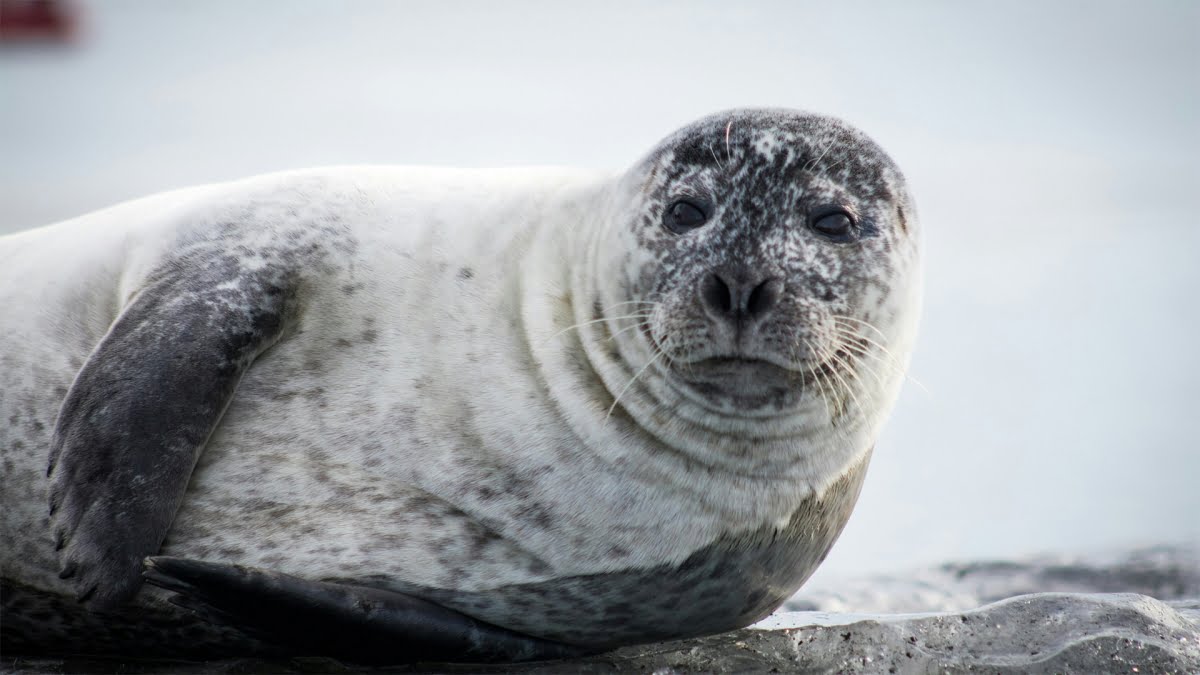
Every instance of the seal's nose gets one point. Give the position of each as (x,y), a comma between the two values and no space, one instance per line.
(737,298)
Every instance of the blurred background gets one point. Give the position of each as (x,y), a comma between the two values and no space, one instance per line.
(1053,149)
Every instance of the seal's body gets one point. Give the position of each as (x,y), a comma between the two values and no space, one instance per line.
(593,409)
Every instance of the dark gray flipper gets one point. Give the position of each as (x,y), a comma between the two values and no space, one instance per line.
(353,623)
(139,412)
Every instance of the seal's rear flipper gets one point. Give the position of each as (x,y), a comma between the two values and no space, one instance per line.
(354,623)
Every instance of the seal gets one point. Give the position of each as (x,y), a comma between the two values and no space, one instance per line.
(469,414)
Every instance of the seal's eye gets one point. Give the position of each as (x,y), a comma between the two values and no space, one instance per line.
(684,215)
(833,223)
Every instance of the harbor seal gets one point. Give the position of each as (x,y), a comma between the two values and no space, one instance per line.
(467,414)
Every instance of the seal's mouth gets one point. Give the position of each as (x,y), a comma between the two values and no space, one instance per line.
(742,368)
(736,363)
(718,369)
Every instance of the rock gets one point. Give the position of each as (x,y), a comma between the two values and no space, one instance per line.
(1072,632)
(1163,572)
(1044,632)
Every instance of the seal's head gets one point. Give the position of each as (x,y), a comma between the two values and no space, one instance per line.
(769,261)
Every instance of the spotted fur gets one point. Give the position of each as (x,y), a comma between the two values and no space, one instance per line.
(424,380)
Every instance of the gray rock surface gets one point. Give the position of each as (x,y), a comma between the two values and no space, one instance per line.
(1046,632)
(1163,572)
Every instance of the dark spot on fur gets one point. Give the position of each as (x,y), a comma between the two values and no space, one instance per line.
(465,273)
(370,335)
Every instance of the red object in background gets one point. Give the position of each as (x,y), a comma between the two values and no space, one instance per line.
(43,21)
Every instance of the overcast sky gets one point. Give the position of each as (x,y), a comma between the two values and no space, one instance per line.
(1052,148)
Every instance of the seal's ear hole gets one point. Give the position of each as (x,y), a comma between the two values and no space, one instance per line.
(685,215)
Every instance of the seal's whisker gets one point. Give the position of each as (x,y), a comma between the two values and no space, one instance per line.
(852,348)
(854,352)
(592,321)
(825,171)
(664,349)
(835,401)
(811,164)
(881,361)
(816,376)
(832,357)
(639,324)
(714,156)
(863,343)
(633,379)
(613,306)
(841,327)
(850,372)
(821,376)
(728,128)
(868,324)
(885,357)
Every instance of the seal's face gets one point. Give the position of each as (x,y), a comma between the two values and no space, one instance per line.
(768,257)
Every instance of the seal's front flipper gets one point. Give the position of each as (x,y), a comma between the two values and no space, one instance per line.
(354,623)
(141,409)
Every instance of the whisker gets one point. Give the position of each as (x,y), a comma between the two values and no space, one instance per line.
(640,324)
(650,303)
(813,162)
(714,156)
(816,376)
(728,128)
(862,343)
(601,320)
(854,352)
(848,390)
(885,358)
(631,381)
(868,324)
(852,374)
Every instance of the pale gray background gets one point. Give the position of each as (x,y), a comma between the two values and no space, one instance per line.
(1052,148)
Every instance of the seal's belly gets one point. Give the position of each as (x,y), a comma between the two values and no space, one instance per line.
(725,585)
(317,472)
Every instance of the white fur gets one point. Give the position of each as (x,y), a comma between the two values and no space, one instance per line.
(408,413)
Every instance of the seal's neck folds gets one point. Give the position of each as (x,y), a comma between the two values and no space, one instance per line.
(610,384)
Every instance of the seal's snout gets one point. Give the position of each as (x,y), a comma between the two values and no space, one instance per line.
(738,298)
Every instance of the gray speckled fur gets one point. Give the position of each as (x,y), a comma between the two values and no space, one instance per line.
(420,403)
(729,584)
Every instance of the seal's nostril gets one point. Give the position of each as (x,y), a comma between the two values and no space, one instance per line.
(716,294)
(763,297)
(737,301)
